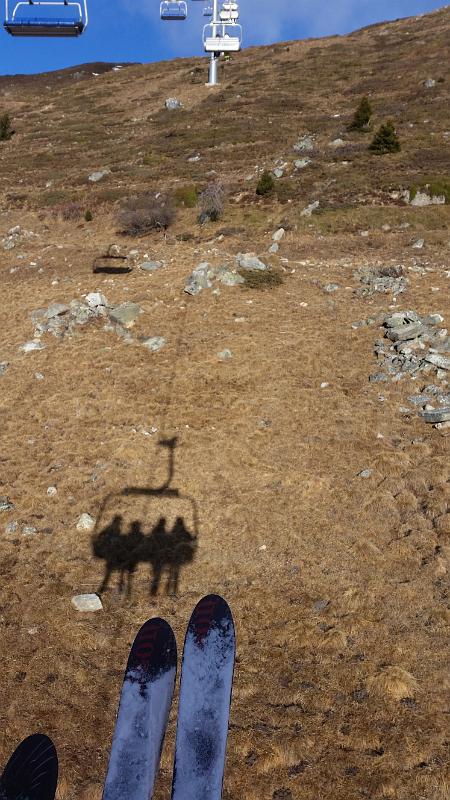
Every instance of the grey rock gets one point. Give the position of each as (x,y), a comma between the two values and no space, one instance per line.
(39,376)
(97,176)
(359,323)
(309,210)
(95,300)
(172,104)
(278,235)
(154,343)
(229,278)
(365,473)
(437,415)
(125,314)
(378,377)
(301,163)
(29,530)
(419,399)
(429,83)
(422,199)
(28,347)
(151,266)
(278,172)
(250,261)
(56,310)
(336,143)
(225,355)
(274,247)
(418,244)
(12,527)
(200,278)
(400,318)
(321,605)
(87,602)
(433,319)
(5,504)
(443,362)
(331,287)
(85,522)
(3,367)
(305,144)
(405,332)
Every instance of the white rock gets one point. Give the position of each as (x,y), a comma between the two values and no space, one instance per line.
(85,522)
(154,343)
(278,235)
(87,602)
(52,491)
(309,209)
(28,347)
(96,299)
(419,244)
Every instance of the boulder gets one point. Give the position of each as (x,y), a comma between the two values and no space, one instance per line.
(250,261)
(87,602)
(125,314)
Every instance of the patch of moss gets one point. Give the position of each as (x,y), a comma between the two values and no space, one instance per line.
(261,278)
(186,196)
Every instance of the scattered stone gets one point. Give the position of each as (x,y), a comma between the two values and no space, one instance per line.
(278,172)
(225,355)
(436,415)
(305,144)
(274,247)
(309,210)
(442,362)
(87,602)
(192,160)
(125,314)
(29,530)
(378,377)
(418,245)
(172,104)
(151,266)
(381,279)
(5,504)
(12,527)
(56,310)
(250,261)
(405,332)
(321,605)
(429,83)
(96,300)
(39,376)
(85,522)
(419,399)
(422,198)
(331,287)
(97,176)
(278,235)
(324,385)
(200,278)
(28,347)
(336,143)
(3,367)
(301,163)
(52,491)
(229,278)
(365,473)
(154,343)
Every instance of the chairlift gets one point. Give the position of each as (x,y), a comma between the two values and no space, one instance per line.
(70,19)
(222,38)
(208,11)
(228,15)
(173,10)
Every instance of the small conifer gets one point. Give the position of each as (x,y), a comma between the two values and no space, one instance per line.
(6,131)
(265,184)
(362,115)
(385,140)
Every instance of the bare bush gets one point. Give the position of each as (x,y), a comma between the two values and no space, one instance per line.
(146,213)
(69,212)
(211,202)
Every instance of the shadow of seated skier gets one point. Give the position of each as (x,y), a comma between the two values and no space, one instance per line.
(169,551)
(121,552)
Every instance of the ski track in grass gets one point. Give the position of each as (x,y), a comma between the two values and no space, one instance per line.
(138,736)
(203,715)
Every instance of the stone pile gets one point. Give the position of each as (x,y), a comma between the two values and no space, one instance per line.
(416,346)
(204,275)
(380,279)
(16,236)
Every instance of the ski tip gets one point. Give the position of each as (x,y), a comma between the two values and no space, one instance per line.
(154,648)
(32,770)
(212,611)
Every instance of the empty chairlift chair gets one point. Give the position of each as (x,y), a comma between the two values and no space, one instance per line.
(222,37)
(208,11)
(173,10)
(229,12)
(64,18)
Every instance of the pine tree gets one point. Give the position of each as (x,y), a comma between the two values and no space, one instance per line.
(385,140)
(265,184)
(362,116)
(6,131)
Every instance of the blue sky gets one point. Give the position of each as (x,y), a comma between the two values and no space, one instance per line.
(130,30)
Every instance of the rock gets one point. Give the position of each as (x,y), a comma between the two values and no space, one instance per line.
(85,522)
(96,299)
(365,473)
(378,377)
(97,176)
(56,310)
(422,199)
(5,504)
(29,530)
(418,399)
(418,245)
(229,278)
(125,314)
(274,247)
(433,319)
(12,527)
(321,605)
(52,491)
(331,287)
(192,160)
(301,163)
(278,235)
(39,376)
(87,602)
(443,362)
(305,144)
(250,261)
(278,172)
(151,266)
(307,212)
(28,347)
(225,355)
(200,278)
(337,143)
(429,83)
(436,415)
(405,332)
(154,343)
(172,104)
(3,367)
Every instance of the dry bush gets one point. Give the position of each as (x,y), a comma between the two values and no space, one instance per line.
(393,682)
(211,202)
(144,214)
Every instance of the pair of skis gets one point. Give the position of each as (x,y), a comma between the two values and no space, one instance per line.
(204,707)
(145,700)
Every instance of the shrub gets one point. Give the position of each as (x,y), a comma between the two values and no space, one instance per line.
(71,212)
(186,196)
(385,140)
(6,131)
(211,202)
(265,184)
(261,278)
(146,213)
(362,115)
(88,216)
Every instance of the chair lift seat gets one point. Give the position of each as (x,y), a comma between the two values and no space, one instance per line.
(173,10)
(222,44)
(44,27)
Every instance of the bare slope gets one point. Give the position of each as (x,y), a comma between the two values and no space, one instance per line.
(339,582)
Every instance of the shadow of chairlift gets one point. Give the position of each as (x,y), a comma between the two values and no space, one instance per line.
(111,265)
(25,18)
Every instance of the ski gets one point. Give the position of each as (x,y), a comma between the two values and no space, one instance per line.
(143,712)
(204,704)
(32,771)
